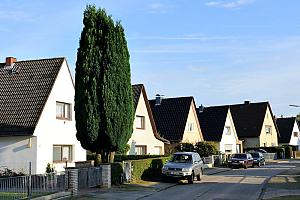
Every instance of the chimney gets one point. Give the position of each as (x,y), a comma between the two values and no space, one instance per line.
(158,99)
(246,102)
(201,108)
(10,61)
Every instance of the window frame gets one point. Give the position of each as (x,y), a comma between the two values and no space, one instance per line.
(143,126)
(228,132)
(268,127)
(61,146)
(64,104)
(191,127)
(140,146)
(294,134)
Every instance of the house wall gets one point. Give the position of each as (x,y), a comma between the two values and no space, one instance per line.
(229,139)
(295,140)
(250,142)
(17,151)
(145,136)
(192,136)
(265,139)
(51,131)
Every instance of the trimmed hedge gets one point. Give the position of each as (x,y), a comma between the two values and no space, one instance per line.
(148,169)
(120,158)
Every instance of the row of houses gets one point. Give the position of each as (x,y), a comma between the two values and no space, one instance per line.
(37,123)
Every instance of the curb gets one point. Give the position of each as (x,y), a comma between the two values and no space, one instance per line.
(217,172)
(159,190)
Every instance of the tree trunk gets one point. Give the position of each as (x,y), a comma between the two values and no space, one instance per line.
(111,156)
(98,159)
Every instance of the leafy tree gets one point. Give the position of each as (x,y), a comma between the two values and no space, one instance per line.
(206,148)
(103,95)
(185,147)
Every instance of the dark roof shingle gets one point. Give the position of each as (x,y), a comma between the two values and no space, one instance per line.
(23,94)
(212,122)
(248,118)
(285,127)
(171,116)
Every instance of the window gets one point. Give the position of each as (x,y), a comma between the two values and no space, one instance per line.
(228,148)
(62,153)
(140,149)
(268,129)
(191,127)
(140,122)
(295,134)
(63,111)
(227,130)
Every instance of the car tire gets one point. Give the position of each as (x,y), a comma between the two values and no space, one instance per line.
(199,176)
(191,178)
(258,164)
(245,167)
(264,163)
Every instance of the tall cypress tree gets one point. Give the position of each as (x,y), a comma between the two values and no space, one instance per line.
(103,96)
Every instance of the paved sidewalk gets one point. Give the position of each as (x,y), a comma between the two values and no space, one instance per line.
(135,191)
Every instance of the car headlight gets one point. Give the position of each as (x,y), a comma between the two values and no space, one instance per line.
(165,168)
(229,161)
(185,169)
(241,161)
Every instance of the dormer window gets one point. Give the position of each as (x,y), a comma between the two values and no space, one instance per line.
(63,111)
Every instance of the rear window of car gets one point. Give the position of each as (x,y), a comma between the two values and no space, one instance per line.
(239,156)
(182,158)
(255,155)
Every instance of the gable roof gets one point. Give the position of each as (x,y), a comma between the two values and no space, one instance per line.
(249,117)
(137,90)
(285,127)
(171,116)
(23,94)
(212,122)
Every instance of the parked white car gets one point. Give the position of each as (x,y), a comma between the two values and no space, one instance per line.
(184,165)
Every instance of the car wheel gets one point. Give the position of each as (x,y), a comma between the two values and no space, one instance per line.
(199,176)
(258,165)
(264,163)
(191,178)
(245,167)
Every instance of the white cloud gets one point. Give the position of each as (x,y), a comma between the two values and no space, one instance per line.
(158,8)
(230,4)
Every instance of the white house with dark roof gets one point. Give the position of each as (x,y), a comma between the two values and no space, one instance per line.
(145,138)
(37,121)
(217,126)
(289,132)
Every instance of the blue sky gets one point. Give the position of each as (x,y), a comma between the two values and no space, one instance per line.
(219,51)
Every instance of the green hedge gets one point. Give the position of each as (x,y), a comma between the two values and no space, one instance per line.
(120,158)
(148,169)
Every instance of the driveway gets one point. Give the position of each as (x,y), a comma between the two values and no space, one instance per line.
(233,184)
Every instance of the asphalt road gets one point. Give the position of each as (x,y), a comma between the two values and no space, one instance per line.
(241,184)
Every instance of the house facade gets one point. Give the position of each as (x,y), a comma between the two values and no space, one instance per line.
(144,139)
(255,124)
(289,132)
(217,126)
(38,125)
(176,119)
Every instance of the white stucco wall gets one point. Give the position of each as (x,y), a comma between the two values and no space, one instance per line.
(192,136)
(16,152)
(51,131)
(145,136)
(295,140)
(231,139)
(268,139)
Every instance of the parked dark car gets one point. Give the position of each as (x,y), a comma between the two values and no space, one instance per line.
(240,160)
(184,165)
(258,159)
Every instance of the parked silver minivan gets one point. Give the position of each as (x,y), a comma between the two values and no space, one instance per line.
(184,165)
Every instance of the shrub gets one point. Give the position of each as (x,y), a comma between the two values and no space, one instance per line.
(120,158)
(148,169)
(116,173)
(124,151)
(288,151)
(206,148)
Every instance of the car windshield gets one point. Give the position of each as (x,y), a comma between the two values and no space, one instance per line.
(255,155)
(182,158)
(239,156)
